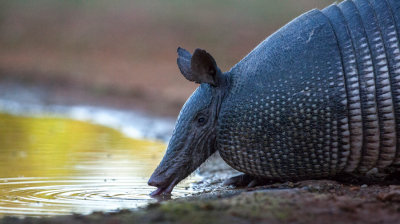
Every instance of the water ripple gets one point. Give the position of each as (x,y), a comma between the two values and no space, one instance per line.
(51,196)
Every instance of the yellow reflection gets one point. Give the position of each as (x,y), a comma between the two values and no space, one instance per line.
(42,147)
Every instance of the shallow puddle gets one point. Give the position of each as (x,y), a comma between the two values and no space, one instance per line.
(55,166)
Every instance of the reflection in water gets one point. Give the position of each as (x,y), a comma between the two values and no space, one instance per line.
(54,166)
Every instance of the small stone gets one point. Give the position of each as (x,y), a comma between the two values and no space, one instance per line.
(393,196)
(291,184)
(364,186)
(355,188)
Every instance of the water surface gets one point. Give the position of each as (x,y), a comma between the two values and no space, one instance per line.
(56,166)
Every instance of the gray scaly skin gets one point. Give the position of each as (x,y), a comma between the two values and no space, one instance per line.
(318,98)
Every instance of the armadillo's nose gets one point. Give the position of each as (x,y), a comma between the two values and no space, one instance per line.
(152,183)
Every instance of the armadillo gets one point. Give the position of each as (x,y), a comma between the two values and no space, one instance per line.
(318,98)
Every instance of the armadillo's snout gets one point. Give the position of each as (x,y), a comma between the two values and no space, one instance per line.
(164,185)
(172,169)
(156,182)
(153,182)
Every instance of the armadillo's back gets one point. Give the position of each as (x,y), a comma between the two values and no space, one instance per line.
(319,97)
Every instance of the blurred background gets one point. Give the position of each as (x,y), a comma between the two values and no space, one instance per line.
(122,53)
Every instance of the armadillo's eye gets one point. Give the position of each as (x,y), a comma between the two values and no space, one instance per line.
(201,120)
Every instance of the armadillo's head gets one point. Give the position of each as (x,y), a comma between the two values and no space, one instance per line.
(193,139)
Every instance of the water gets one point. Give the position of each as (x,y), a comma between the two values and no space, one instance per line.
(57,166)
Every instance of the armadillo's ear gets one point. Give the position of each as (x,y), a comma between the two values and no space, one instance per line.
(199,68)
(184,58)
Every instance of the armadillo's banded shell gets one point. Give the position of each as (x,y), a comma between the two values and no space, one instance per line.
(319,97)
